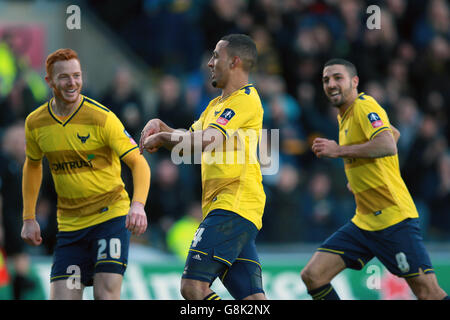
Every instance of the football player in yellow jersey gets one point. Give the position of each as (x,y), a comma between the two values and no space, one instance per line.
(233,197)
(84,143)
(385,224)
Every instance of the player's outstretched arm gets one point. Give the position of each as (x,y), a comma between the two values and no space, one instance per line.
(200,140)
(136,220)
(31,183)
(381,145)
(153,126)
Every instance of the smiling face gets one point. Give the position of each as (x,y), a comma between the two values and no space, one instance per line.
(219,65)
(66,80)
(339,86)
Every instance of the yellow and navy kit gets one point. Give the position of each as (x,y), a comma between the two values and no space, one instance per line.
(84,152)
(231,177)
(382,198)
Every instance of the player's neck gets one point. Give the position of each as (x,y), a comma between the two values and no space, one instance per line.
(62,108)
(235,84)
(343,108)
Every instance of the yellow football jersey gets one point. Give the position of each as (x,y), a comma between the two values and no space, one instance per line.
(84,152)
(382,198)
(231,175)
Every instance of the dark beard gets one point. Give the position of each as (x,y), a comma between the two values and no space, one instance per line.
(337,105)
(214,83)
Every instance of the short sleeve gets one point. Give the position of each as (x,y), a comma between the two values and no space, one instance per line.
(373,119)
(117,137)
(196,126)
(33,151)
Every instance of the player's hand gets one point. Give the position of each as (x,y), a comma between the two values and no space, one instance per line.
(150,128)
(153,143)
(325,148)
(31,232)
(349,187)
(136,220)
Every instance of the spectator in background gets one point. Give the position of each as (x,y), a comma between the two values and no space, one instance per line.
(167,200)
(267,13)
(180,234)
(125,101)
(431,74)
(171,107)
(400,16)
(382,41)
(423,158)
(18,103)
(351,12)
(19,82)
(283,112)
(221,17)
(8,66)
(435,21)
(397,80)
(407,121)
(12,158)
(268,60)
(440,217)
(319,208)
(283,222)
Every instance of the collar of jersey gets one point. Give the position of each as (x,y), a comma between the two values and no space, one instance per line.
(247,85)
(351,106)
(234,92)
(63,123)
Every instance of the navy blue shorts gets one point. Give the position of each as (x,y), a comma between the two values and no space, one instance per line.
(399,247)
(224,247)
(99,248)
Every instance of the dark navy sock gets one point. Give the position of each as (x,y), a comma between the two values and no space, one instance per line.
(446,298)
(325,292)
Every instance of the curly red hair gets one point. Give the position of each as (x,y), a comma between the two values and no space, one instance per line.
(59,55)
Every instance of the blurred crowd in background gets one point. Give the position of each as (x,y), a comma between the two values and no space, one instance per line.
(404,66)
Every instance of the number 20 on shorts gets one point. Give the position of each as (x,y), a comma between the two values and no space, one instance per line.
(114,248)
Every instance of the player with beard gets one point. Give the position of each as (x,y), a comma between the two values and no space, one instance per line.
(386,223)
(233,197)
(83,142)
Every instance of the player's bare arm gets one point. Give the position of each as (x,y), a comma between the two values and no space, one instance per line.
(153,126)
(381,146)
(209,139)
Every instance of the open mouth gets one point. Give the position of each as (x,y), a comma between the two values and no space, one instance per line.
(71,91)
(334,94)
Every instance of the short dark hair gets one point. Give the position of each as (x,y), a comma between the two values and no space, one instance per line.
(244,47)
(347,64)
